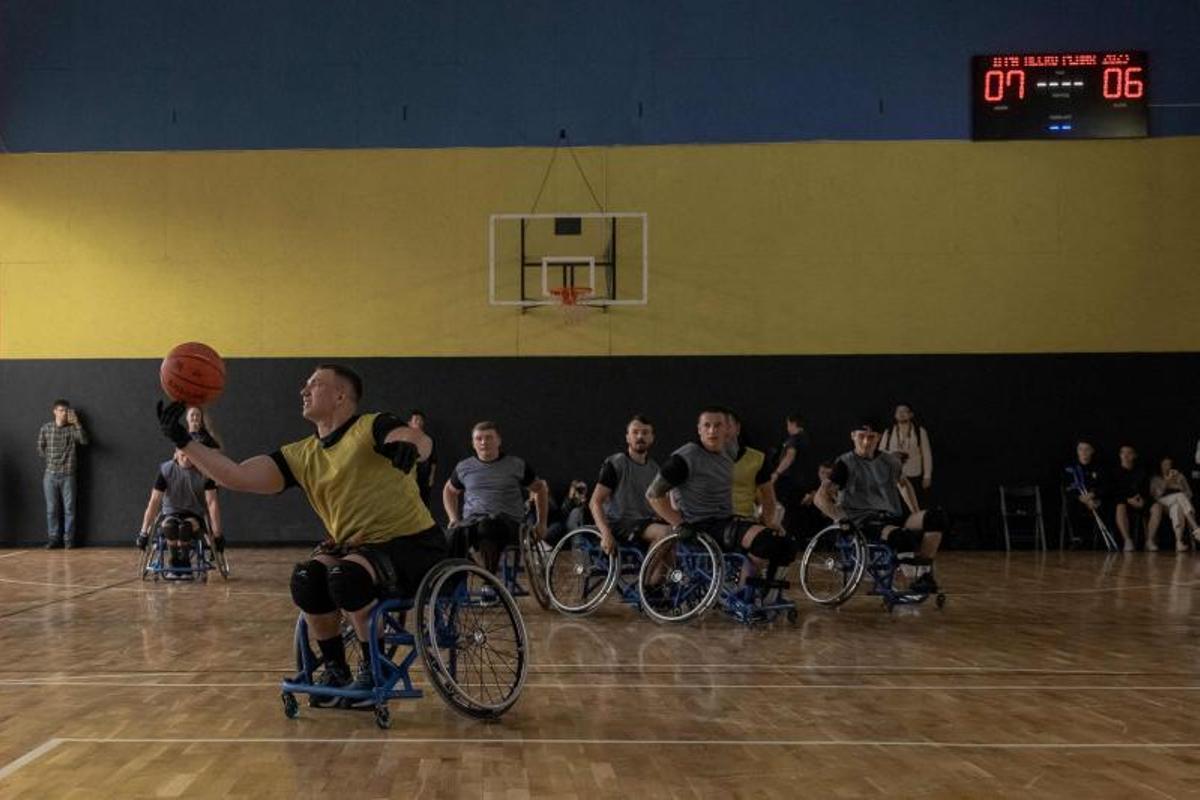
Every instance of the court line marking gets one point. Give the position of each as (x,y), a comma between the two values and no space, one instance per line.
(940,688)
(33,755)
(13,555)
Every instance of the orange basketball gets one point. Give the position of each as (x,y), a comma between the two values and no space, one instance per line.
(192,373)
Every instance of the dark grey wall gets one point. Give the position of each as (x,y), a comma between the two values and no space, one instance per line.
(992,418)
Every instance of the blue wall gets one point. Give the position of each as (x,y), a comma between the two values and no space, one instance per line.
(211,74)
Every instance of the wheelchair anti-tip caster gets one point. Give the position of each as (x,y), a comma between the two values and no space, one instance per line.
(383,717)
(291,708)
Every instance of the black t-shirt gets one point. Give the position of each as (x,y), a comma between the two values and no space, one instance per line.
(1129,482)
(802,472)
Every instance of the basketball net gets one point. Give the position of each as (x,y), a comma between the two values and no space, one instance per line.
(570,301)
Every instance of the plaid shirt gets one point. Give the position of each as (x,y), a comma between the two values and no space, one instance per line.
(57,446)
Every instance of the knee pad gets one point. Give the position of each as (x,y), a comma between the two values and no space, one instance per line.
(936,519)
(777,550)
(310,588)
(902,540)
(350,585)
(170,528)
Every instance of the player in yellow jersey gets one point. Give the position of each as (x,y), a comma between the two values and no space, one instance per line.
(357,472)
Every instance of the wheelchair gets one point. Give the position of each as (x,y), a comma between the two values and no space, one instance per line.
(580,576)
(467,631)
(526,558)
(203,557)
(837,558)
(699,575)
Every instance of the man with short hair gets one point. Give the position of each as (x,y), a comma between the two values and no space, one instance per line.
(185,496)
(1085,488)
(491,487)
(57,443)
(1131,496)
(619,506)
(792,478)
(357,473)
(753,490)
(867,486)
(701,476)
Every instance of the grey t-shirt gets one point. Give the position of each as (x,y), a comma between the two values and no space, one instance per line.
(868,485)
(493,487)
(703,482)
(183,489)
(628,482)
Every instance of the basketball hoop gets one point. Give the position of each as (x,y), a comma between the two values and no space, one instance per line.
(572,300)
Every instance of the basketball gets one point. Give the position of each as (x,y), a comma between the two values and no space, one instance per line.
(192,373)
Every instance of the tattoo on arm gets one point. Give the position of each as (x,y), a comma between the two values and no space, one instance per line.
(658,487)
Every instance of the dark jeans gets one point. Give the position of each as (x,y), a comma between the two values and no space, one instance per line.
(60,506)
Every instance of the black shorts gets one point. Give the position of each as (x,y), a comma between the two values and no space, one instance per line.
(629,531)
(901,540)
(498,530)
(727,531)
(401,563)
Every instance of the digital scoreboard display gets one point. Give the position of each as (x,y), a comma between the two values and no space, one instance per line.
(1100,95)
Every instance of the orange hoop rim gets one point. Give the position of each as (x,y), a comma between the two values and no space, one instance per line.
(571,295)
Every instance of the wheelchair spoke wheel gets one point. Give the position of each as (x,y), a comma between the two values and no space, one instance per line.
(535,565)
(832,566)
(471,639)
(680,578)
(144,556)
(579,574)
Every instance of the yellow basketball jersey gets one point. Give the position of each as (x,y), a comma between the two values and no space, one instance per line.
(745,490)
(357,493)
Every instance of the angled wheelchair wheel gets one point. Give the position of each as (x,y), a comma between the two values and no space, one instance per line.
(832,566)
(534,558)
(579,574)
(219,560)
(680,578)
(471,639)
(144,556)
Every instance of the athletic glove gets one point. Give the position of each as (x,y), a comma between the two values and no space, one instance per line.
(403,455)
(170,421)
(141,540)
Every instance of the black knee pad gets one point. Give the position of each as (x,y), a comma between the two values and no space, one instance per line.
(350,585)
(170,529)
(777,550)
(936,519)
(310,588)
(902,540)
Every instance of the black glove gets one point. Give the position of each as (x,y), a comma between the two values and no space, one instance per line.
(170,421)
(141,540)
(219,544)
(403,455)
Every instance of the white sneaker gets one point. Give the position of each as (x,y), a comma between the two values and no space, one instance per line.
(1129,545)
(1151,546)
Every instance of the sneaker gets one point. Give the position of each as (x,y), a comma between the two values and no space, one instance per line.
(335,676)
(53,544)
(1129,545)
(1181,547)
(1151,547)
(924,584)
(363,682)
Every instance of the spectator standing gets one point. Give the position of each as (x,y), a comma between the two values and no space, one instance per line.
(909,441)
(57,445)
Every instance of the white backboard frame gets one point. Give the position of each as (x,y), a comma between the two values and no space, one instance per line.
(550,260)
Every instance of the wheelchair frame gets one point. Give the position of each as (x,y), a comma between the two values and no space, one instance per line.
(852,556)
(442,593)
(204,556)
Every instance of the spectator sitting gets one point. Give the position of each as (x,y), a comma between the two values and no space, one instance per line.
(1171,491)
(1084,487)
(1131,494)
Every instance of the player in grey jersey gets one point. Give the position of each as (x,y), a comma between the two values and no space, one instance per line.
(618,504)
(492,486)
(701,475)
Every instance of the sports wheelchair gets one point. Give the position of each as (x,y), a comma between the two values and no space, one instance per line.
(580,576)
(203,557)
(468,633)
(838,556)
(528,558)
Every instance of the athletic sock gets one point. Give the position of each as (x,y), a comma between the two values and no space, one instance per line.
(333,652)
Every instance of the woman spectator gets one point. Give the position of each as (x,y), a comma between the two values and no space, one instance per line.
(909,442)
(200,428)
(1171,490)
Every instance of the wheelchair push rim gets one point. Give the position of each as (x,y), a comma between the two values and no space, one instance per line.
(832,566)
(694,571)
(579,574)
(535,565)
(472,639)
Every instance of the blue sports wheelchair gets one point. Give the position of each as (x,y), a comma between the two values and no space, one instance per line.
(528,559)
(677,579)
(466,629)
(837,558)
(203,557)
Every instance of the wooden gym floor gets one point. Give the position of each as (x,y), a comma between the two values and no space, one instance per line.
(1060,676)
